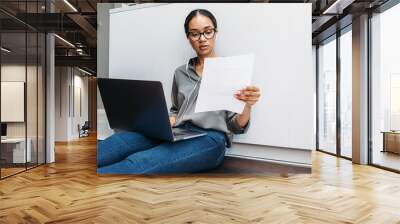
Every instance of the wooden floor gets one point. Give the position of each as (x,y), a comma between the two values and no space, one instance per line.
(10,171)
(5,172)
(70,191)
(387,159)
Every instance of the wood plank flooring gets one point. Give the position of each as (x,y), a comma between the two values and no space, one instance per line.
(387,159)
(10,171)
(70,191)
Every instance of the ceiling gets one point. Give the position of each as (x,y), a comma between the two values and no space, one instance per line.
(76,22)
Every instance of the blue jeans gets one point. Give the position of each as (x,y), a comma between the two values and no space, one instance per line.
(132,153)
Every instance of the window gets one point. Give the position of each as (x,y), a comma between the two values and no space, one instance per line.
(22,78)
(327,96)
(346,93)
(385,88)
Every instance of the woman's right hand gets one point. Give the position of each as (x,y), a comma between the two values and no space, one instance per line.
(172,120)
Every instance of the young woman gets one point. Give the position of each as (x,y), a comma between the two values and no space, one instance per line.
(132,153)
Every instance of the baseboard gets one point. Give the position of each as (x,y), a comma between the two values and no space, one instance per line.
(287,156)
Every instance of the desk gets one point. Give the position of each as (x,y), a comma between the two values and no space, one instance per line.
(391,141)
(13,150)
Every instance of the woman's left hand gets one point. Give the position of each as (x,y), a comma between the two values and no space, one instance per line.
(249,95)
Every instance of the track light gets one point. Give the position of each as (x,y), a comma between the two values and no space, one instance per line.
(70,5)
(5,50)
(84,71)
(64,40)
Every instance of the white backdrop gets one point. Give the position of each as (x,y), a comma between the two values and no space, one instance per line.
(149,42)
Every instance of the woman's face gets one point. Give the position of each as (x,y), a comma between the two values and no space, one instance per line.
(203,44)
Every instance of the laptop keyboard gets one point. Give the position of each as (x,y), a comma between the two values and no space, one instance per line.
(183,133)
(178,133)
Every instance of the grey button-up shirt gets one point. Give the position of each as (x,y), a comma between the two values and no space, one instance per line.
(185,89)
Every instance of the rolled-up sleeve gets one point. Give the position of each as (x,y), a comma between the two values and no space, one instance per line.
(233,125)
(173,111)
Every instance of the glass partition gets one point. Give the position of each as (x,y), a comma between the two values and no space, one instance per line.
(32,95)
(22,78)
(327,96)
(346,93)
(41,91)
(13,109)
(385,89)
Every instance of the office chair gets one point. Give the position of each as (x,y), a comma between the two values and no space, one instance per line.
(84,130)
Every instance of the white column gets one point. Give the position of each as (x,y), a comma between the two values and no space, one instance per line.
(360,90)
(50,101)
(103,30)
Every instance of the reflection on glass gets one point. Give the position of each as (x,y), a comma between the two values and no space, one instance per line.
(346,93)
(395,101)
(13,84)
(22,90)
(327,96)
(31,101)
(41,98)
(386,89)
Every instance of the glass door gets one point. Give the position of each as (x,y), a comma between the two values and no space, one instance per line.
(22,77)
(346,93)
(385,89)
(14,155)
(327,96)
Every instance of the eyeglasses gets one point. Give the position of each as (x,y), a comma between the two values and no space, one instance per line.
(208,34)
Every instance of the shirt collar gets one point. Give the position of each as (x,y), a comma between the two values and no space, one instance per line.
(191,66)
(192,63)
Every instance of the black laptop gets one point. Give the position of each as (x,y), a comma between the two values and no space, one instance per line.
(136,105)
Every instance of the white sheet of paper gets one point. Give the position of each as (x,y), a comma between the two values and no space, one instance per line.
(222,77)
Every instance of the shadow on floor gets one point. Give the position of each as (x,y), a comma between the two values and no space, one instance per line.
(234,165)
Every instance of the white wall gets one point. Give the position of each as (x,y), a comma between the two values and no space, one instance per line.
(13,101)
(15,72)
(80,84)
(103,30)
(68,83)
(33,126)
(61,103)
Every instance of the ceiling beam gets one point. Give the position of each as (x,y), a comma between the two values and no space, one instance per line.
(82,61)
(337,7)
(84,24)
